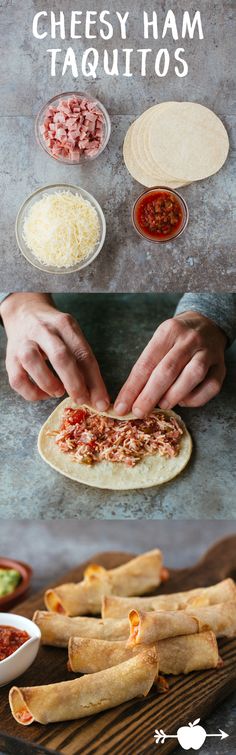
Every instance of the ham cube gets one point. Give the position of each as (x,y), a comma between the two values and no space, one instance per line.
(70,122)
(60,132)
(91,105)
(84,104)
(59,117)
(91,118)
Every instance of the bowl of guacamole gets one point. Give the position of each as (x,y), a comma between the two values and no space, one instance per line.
(14,581)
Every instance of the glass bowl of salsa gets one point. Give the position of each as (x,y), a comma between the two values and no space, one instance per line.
(19,645)
(160,214)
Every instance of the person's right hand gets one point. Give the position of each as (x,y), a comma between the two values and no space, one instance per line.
(183,363)
(37,332)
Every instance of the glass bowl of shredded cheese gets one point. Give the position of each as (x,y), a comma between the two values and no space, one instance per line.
(60,228)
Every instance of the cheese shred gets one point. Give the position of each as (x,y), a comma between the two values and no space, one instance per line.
(61,229)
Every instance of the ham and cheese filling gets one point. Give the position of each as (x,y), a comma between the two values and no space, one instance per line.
(90,437)
(73,128)
(24,716)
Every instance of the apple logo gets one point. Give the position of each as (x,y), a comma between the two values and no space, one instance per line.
(191,736)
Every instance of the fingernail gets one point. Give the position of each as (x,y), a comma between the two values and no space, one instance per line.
(101,406)
(137,412)
(121,408)
(59,393)
(163,405)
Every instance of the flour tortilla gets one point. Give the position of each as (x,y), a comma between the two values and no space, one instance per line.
(143,174)
(140,144)
(137,156)
(187,140)
(152,470)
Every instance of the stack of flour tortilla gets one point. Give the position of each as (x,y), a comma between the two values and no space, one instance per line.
(175,143)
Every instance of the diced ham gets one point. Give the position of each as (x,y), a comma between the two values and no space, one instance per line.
(73,128)
(91,118)
(92,106)
(60,133)
(70,122)
(83,104)
(59,117)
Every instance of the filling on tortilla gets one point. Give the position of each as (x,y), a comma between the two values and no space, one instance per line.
(90,437)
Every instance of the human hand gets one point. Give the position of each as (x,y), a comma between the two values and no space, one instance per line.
(183,363)
(37,332)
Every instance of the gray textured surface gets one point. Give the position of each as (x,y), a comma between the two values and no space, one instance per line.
(118,327)
(204,257)
(54,547)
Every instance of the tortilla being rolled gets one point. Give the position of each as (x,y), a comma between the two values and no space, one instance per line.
(114,606)
(85,696)
(152,469)
(140,575)
(56,629)
(178,655)
(150,627)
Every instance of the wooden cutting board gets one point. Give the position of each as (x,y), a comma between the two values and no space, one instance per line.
(129,729)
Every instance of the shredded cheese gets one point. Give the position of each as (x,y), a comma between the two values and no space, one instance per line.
(61,229)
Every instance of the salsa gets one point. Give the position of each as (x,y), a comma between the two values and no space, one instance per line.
(11,639)
(159,214)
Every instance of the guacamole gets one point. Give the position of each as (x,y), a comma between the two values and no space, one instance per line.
(9,580)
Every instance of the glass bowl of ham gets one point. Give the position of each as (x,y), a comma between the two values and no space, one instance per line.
(73,127)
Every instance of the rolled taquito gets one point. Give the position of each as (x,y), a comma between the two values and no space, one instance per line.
(56,629)
(114,606)
(178,655)
(85,696)
(150,627)
(139,576)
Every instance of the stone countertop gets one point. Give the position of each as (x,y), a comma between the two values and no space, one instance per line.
(203,258)
(118,326)
(54,547)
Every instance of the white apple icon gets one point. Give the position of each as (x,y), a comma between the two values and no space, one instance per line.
(191,736)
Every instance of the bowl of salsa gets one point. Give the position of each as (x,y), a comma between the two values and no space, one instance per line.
(19,644)
(160,214)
